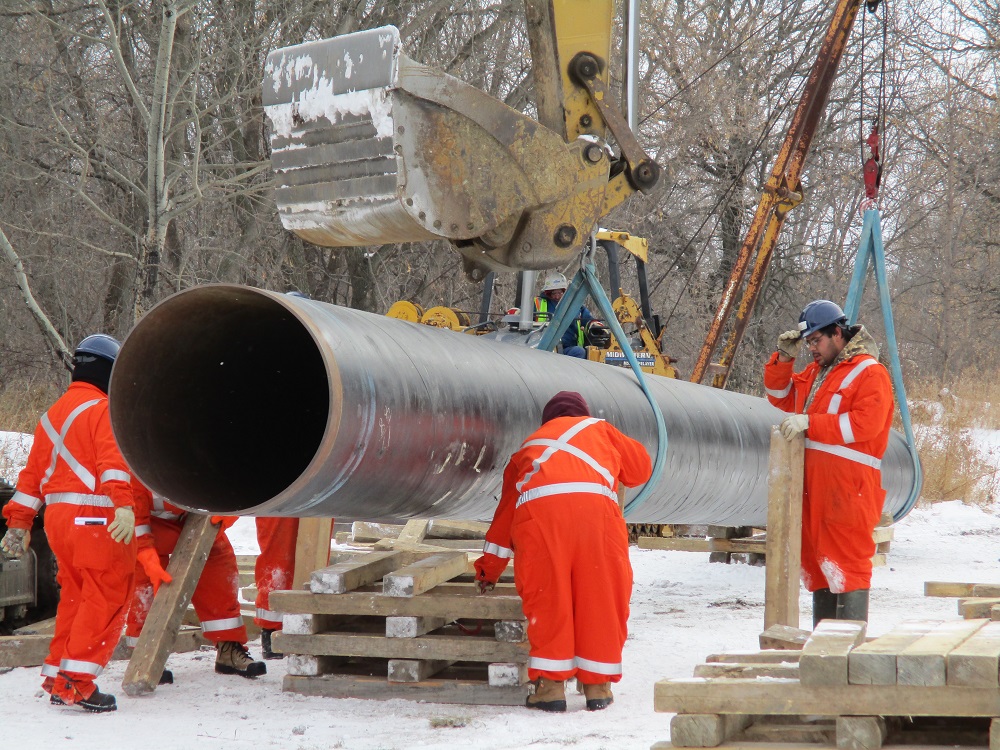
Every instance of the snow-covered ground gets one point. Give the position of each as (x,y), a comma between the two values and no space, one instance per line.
(683,608)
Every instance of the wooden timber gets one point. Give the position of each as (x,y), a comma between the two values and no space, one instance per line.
(784,539)
(312,548)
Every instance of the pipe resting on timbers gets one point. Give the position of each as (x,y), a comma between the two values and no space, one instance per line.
(233,400)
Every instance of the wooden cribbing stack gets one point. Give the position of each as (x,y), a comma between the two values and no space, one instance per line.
(403,624)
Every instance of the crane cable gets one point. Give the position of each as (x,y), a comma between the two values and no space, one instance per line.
(875,140)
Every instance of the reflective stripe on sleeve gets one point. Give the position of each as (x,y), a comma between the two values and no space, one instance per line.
(566,488)
(599,667)
(228,623)
(844,452)
(143,529)
(80,498)
(779,394)
(266,614)
(551,665)
(859,368)
(834,404)
(28,501)
(496,549)
(845,428)
(84,667)
(116,475)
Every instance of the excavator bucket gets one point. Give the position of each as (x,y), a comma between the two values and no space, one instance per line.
(370,147)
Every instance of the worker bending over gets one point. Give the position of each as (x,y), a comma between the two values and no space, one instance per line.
(559,510)
(75,469)
(843,400)
(573,338)
(216,597)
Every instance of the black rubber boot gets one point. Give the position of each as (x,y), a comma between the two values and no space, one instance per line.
(98,702)
(265,646)
(853,605)
(824,606)
(166,678)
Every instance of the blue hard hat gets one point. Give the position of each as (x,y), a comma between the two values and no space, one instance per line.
(818,314)
(99,345)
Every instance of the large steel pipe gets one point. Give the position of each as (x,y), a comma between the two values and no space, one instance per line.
(228,399)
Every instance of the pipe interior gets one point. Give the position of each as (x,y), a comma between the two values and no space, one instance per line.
(238,404)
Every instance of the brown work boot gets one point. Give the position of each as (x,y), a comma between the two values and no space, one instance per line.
(549,695)
(234,658)
(598,696)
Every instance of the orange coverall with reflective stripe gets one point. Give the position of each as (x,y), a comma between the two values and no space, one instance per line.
(215,598)
(850,417)
(559,510)
(275,565)
(75,469)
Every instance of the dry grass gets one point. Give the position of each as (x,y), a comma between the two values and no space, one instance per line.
(943,418)
(22,403)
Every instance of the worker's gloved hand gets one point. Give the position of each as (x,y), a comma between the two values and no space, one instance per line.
(150,562)
(488,570)
(15,542)
(224,521)
(122,529)
(789,343)
(792,425)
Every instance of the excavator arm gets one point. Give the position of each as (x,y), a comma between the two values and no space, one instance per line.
(369,146)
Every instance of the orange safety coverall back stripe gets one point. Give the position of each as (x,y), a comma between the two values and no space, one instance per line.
(850,417)
(216,596)
(75,469)
(559,510)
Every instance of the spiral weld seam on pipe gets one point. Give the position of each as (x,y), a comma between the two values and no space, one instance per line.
(227,399)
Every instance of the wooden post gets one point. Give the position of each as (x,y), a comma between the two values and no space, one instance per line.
(784,530)
(169,605)
(312,548)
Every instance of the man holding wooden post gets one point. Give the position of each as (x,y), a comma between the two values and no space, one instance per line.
(843,404)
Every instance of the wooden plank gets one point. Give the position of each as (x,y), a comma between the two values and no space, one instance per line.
(414,531)
(423,575)
(924,662)
(454,647)
(440,528)
(860,732)
(976,608)
(989,590)
(777,656)
(353,573)
(811,732)
(158,633)
(449,600)
(976,663)
(825,655)
(310,665)
(507,674)
(511,631)
(783,637)
(414,670)
(24,650)
(784,531)
(748,671)
(874,663)
(412,627)
(364,531)
(468,692)
(944,588)
(883,534)
(790,698)
(674,543)
(995,734)
(402,546)
(42,627)
(705,730)
(312,548)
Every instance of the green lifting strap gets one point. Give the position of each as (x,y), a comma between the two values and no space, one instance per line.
(871,253)
(585,282)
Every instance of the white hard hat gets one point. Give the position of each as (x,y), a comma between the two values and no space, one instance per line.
(554,280)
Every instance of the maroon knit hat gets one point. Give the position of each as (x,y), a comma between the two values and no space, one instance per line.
(565,404)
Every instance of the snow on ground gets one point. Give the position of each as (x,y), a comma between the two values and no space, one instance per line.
(683,608)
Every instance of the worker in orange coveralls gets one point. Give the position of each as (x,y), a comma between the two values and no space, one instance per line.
(559,509)
(215,598)
(843,400)
(75,469)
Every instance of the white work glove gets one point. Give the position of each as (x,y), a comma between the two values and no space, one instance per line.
(789,343)
(792,425)
(15,542)
(122,529)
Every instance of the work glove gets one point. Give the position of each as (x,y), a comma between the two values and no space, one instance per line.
(224,521)
(122,529)
(792,425)
(150,562)
(789,343)
(488,570)
(15,542)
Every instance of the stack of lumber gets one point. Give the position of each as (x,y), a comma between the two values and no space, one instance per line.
(402,624)
(417,535)
(975,600)
(927,683)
